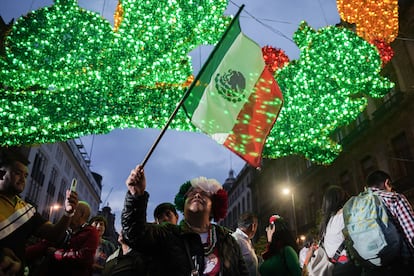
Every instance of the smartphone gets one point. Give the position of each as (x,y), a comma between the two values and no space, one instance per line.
(73,185)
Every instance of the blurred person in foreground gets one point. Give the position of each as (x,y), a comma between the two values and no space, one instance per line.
(19,219)
(402,214)
(195,246)
(9,263)
(75,256)
(309,241)
(280,257)
(246,229)
(105,247)
(125,261)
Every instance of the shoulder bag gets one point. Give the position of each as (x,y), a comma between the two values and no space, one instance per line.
(320,264)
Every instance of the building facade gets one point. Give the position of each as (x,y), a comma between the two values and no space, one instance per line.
(51,170)
(240,196)
(382,138)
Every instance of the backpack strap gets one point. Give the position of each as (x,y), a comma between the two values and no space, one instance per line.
(337,254)
(407,249)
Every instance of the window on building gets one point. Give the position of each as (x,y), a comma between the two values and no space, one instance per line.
(402,159)
(368,165)
(308,163)
(51,188)
(352,131)
(62,190)
(68,167)
(59,154)
(345,181)
(249,207)
(339,135)
(37,177)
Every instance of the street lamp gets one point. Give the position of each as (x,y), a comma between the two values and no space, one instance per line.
(287,191)
(53,207)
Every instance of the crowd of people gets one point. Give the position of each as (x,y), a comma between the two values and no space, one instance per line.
(196,245)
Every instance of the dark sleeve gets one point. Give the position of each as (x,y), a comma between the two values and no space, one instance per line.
(133,218)
(146,238)
(292,261)
(37,221)
(82,249)
(231,253)
(37,250)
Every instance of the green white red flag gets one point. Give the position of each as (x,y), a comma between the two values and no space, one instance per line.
(235,99)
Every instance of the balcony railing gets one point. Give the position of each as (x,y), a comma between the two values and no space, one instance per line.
(388,105)
(354,133)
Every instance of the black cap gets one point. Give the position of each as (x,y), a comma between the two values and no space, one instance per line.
(9,155)
(161,208)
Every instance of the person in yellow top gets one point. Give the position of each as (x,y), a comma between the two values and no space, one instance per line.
(19,219)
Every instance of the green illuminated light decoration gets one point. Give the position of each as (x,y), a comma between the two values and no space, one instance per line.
(66,73)
(324,89)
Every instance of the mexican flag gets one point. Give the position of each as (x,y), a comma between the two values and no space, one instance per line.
(235,99)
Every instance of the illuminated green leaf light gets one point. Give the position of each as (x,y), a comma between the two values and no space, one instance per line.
(323,90)
(66,73)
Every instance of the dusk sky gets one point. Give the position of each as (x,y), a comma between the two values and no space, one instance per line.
(181,156)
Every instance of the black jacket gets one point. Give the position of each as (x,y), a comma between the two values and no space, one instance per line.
(167,243)
(131,264)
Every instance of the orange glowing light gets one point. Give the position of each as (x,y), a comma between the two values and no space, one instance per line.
(374,19)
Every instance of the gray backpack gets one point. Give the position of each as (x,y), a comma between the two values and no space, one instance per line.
(372,238)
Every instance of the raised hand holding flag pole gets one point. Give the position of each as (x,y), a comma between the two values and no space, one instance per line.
(234,99)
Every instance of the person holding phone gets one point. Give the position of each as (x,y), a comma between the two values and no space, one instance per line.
(19,219)
(280,257)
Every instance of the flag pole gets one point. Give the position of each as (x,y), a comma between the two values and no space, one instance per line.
(203,68)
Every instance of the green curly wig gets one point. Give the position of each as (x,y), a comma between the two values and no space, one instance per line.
(179,200)
(219,201)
